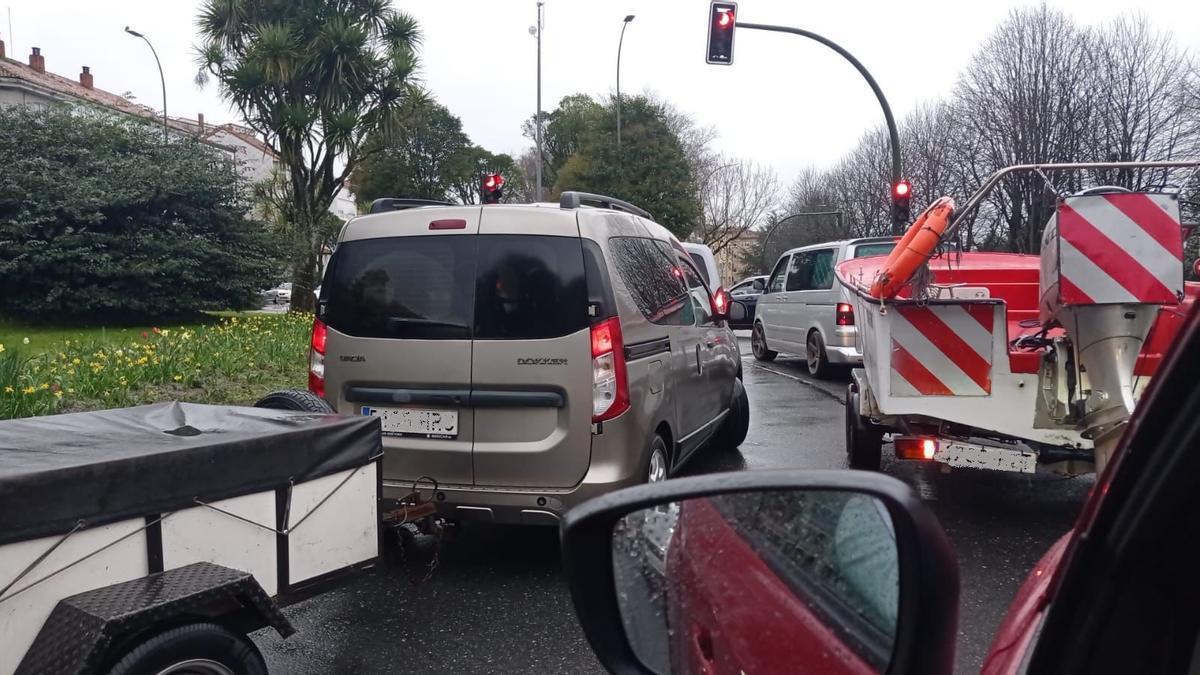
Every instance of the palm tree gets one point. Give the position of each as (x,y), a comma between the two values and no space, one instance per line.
(314,78)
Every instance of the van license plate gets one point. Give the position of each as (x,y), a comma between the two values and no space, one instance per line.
(413,422)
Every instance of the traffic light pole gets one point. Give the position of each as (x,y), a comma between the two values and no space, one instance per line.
(893,134)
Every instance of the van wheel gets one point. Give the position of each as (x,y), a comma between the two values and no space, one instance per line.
(758,345)
(737,424)
(816,357)
(203,648)
(656,466)
(864,441)
(295,399)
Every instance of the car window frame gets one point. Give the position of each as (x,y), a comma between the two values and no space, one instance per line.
(666,251)
(686,263)
(813,253)
(779,270)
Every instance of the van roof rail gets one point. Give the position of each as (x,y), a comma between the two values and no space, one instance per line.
(385,204)
(573,200)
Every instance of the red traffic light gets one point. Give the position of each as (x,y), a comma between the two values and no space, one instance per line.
(722,19)
(902,189)
(493,182)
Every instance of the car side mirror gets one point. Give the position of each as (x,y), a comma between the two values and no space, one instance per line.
(720,301)
(780,571)
(737,311)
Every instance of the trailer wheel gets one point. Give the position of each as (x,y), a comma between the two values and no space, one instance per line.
(294,399)
(195,649)
(864,441)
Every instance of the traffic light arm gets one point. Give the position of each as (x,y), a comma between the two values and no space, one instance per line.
(893,134)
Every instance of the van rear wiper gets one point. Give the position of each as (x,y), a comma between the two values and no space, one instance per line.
(419,321)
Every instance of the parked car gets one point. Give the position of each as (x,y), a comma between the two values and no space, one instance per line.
(706,262)
(805,311)
(282,294)
(747,291)
(526,357)
(850,572)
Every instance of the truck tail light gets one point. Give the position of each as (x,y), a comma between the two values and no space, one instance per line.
(610,385)
(316,359)
(845,314)
(923,448)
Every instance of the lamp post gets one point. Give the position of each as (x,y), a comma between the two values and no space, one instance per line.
(771,231)
(161,77)
(536,31)
(620,44)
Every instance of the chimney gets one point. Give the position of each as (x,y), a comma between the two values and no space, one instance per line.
(37,61)
(200,119)
(1,49)
(85,78)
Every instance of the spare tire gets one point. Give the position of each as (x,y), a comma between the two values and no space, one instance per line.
(295,399)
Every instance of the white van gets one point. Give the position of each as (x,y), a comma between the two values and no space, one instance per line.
(703,256)
(805,311)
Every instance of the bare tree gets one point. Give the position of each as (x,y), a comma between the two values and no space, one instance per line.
(1141,108)
(737,196)
(1025,95)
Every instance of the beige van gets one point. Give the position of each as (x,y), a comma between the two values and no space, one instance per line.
(526,357)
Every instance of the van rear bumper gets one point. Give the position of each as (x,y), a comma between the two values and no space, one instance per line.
(844,355)
(508,505)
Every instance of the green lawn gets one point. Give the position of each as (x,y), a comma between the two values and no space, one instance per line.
(42,336)
(223,357)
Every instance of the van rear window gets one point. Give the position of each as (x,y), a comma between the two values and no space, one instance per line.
(529,287)
(457,287)
(701,265)
(402,287)
(868,250)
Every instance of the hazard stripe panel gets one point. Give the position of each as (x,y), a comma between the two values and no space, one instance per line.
(1120,248)
(942,349)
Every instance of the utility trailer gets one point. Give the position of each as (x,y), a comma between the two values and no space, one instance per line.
(1011,362)
(153,539)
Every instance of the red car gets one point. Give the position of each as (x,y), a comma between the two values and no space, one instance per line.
(775,571)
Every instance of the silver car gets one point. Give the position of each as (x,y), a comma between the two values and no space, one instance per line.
(804,311)
(525,357)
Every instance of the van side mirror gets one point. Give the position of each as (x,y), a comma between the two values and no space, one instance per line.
(737,311)
(720,301)
(841,571)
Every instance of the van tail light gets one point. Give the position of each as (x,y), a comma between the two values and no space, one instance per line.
(845,314)
(610,384)
(720,303)
(316,359)
(910,447)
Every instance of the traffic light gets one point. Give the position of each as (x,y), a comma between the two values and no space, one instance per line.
(901,201)
(493,188)
(722,17)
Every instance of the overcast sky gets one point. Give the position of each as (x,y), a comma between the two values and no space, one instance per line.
(785,102)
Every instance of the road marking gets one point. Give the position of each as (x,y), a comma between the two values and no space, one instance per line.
(807,383)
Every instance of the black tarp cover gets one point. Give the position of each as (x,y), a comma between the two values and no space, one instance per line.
(104,466)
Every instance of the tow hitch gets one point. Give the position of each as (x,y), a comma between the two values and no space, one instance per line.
(417,529)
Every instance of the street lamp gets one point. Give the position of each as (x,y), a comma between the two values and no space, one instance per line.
(620,44)
(771,231)
(160,76)
(536,31)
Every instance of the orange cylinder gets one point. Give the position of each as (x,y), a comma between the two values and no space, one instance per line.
(916,247)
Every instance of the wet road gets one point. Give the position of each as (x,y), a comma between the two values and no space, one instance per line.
(498,602)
